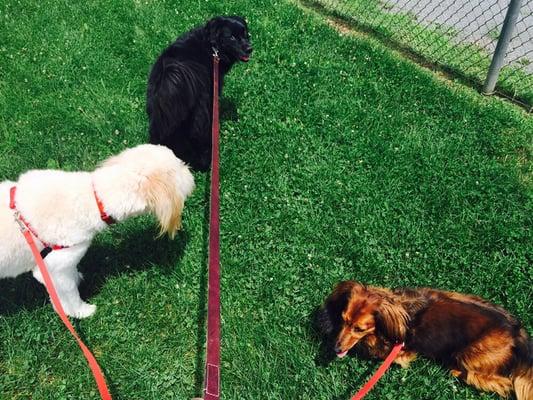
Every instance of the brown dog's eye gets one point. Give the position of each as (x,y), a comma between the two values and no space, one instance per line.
(357,329)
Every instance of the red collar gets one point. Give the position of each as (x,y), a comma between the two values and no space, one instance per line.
(108,219)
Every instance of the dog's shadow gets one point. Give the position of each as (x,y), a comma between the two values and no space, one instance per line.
(228,110)
(135,248)
(139,249)
(325,341)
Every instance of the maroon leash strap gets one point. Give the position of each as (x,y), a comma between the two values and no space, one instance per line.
(212,363)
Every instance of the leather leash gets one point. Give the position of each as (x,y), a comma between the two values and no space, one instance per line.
(212,363)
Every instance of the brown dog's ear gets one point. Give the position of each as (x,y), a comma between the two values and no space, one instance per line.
(343,288)
(391,320)
(329,317)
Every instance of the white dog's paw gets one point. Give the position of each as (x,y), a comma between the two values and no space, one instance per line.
(83,311)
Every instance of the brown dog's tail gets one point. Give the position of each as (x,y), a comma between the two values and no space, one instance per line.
(523,384)
(523,373)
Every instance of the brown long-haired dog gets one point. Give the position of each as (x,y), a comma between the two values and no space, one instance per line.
(478,341)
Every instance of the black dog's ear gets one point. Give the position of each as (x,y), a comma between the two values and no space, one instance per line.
(213,29)
(239,19)
(329,317)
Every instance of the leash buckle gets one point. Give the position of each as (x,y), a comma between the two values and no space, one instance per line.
(22,226)
(212,379)
(215,53)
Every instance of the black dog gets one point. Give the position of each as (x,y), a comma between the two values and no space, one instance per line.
(179,97)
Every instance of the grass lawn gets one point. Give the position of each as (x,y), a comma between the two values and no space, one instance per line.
(340,160)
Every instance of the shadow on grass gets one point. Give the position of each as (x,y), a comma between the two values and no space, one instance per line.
(138,249)
(228,110)
(326,342)
(450,73)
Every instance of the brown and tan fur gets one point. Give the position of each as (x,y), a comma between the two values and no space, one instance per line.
(479,342)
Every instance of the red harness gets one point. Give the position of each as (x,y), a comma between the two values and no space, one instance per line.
(48,247)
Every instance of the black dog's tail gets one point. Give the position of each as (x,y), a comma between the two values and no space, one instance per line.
(173,89)
(522,374)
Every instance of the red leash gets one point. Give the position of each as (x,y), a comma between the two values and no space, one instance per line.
(379,373)
(212,362)
(93,364)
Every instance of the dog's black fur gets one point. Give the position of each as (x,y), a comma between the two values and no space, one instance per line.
(179,96)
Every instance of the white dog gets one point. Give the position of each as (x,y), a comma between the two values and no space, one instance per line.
(69,208)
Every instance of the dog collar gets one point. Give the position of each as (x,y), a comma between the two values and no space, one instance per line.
(108,219)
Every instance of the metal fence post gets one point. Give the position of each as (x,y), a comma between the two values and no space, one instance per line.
(501,48)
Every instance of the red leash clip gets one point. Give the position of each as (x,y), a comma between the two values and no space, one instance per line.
(21,224)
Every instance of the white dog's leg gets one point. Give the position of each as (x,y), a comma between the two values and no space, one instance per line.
(37,275)
(66,283)
(62,269)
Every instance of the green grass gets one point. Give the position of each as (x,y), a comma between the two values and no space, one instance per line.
(342,160)
(433,44)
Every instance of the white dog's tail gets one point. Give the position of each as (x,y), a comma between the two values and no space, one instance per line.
(166,198)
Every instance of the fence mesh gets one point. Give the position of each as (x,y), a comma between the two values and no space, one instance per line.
(458,35)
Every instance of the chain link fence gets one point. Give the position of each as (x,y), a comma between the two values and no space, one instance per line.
(461,36)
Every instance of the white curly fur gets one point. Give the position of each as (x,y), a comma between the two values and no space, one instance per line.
(61,208)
